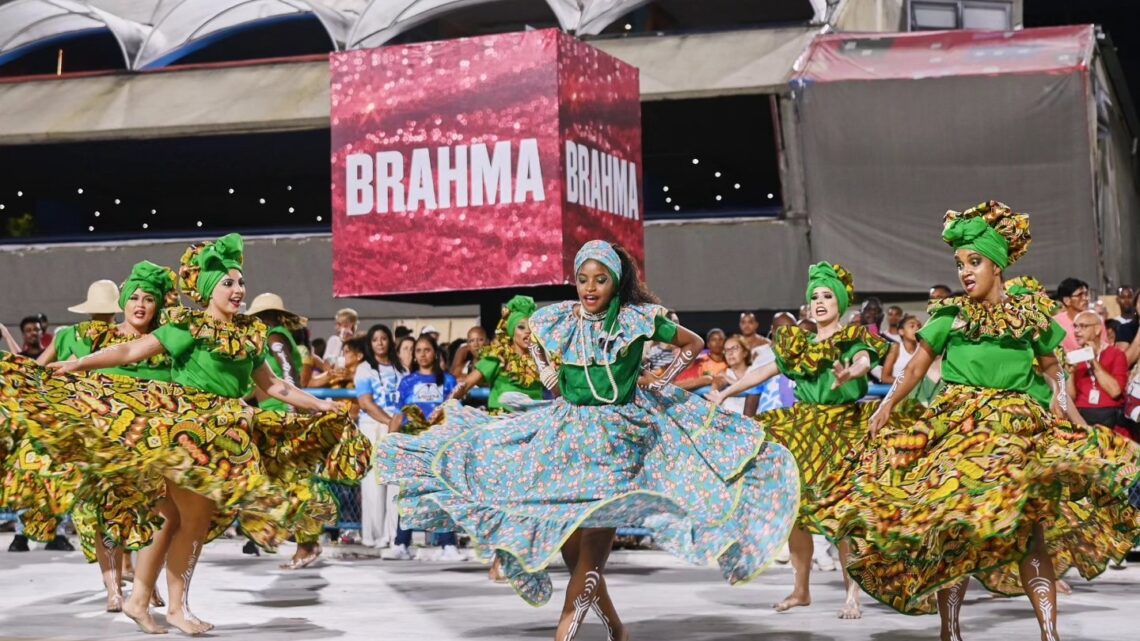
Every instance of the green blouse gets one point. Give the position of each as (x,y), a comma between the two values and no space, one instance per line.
(809,362)
(559,331)
(502,381)
(91,336)
(993,346)
(68,344)
(295,357)
(212,355)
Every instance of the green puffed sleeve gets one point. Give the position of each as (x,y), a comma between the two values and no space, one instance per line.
(664,330)
(936,331)
(1047,341)
(489,367)
(176,339)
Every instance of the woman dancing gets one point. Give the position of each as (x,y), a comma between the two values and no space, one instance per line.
(828,423)
(107,522)
(618,448)
(216,454)
(987,483)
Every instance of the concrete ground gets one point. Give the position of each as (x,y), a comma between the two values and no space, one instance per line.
(51,595)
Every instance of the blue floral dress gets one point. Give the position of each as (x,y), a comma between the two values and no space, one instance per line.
(606,454)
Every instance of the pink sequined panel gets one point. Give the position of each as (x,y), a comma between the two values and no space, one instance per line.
(448,162)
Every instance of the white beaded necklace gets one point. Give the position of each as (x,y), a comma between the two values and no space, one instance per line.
(583,316)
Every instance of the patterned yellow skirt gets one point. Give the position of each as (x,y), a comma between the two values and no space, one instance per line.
(126,433)
(827,442)
(959,492)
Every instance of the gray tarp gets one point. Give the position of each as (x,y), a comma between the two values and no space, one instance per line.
(884,160)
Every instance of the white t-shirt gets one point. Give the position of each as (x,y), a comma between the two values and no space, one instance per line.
(333,355)
(736,403)
(903,359)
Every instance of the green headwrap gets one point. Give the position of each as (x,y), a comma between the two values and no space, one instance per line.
(976,234)
(155,280)
(518,309)
(216,260)
(824,275)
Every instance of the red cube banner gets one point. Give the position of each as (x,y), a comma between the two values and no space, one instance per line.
(480,163)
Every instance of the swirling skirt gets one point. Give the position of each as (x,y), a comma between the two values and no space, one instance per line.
(827,442)
(703,480)
(126,433)
(960,491)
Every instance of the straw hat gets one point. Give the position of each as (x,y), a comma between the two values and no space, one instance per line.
(102,298)
(268,302)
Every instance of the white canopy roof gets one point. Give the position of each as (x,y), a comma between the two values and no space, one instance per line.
(26,22)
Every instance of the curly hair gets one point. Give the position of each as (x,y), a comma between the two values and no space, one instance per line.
(631,289)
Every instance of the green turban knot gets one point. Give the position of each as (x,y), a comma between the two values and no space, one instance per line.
(976,234)
(216,260)
(518,309)
(155,280)
(825,275)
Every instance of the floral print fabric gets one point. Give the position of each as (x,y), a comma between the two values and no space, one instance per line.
(703,480)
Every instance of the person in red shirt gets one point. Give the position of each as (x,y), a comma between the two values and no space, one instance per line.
(1097,383)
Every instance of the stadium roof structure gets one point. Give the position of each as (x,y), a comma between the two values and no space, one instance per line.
(155,33)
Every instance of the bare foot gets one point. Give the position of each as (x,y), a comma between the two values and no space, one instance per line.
(114,602)
(1063,587)
(143,619)
(185,621)
(496,572)
(793,601)
(851,610)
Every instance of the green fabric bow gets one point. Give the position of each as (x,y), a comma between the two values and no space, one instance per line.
(155,280)
(216,260)
(976,234)
(824,275)
(519,309)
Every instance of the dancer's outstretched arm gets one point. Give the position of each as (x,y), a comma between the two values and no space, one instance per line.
(134,351)
(690,345)
(751,379)
(287,392)
(904,385)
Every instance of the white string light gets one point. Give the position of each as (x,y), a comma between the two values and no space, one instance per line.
(79,191)
(676,208)
(231,190)
(771,196)
(736,186)
(145,226)
(290,210)
(696,161)
(716,175)
(261,201)
(97,214)
(665,188)
(91,228)
(118,202)
(199,223)
(719,197)
(19,194)
(153,212)
(319,219)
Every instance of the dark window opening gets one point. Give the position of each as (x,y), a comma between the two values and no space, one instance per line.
(281,37)
(710,157)
(166,187)
(94,50)
(503,16)
(711,15)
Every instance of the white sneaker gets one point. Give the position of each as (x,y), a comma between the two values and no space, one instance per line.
(397,553)
(451,554)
